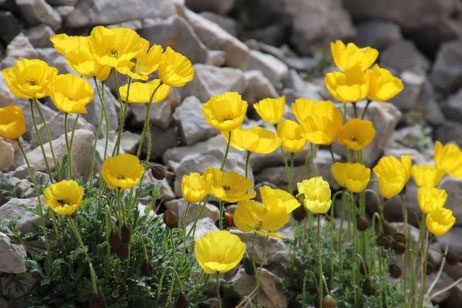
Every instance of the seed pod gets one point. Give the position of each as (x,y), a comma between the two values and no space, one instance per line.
(399,248)
(96,302)
(170,219)
(399,237)
(248,267)
(368,288)
(383,240)
(122,252)
(362,223)
(182,301)
(329,302)
(126,233)
(364,268)
(115,239)
(159,172)
(394,270)
(452,259)
(299,213)
(147,269)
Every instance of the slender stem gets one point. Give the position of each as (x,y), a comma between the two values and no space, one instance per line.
(226,153)
(247,163)
(68,146)
(355,109)
(39,137)
(332,153)
(218,290)
(291,173)
(426,247)
(98,132)
(405,255)
(253,253)
(123,107)
(198,215)
(185,223)
(220,219)
(320,286)
(313,167)
(261,268)
(173,247)
(42,117)
(289,177)
(365,109)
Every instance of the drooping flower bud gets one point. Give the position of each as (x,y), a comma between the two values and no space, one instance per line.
(96,302)
(368,288)
(159,172)
(399,237)
(147,269)
(362,223)
(122,252)
(399,248)
(299,213)
(170,219)
(182,301)
(126,233)
(394,270)
(115,239)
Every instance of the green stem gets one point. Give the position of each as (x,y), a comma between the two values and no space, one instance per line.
(68,146)
(185,223)
(98,132)
(320,286)
(198,215)
(365,110)
(39,137)
(261,268)
(123,108)
(220,219)
(407,235)
(313,167)
(355,109)
(218,290)
(42,117)
(425,247)
(332,153)
(289,176)
(247,163)
(227,151)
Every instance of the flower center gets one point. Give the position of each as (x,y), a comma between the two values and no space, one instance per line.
(63,202)
(121,177)
(114,53)
(227,188)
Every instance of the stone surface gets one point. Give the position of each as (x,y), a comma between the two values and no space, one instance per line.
(6,155)
(218,6)
(94,12)
(449,131)
(64,10)
(81,153)
(129,142)
(13,209)
(453,188)
(452,109)
(452,237)
(37,12)
(6,97)
(162,140)
(10,26)
(446,73)
(47,113)
(270,66)
(404,56)
(258,87)
(317,20)
(228,24)
(12,256)
(210,80)
(203,226)
(18,49)
(39,36)
(62,2)
(179,207)
(378,34)
(159,115)
(192,126)
(295,87)
(413,85)
(215,37)
(179,35)
(269,296)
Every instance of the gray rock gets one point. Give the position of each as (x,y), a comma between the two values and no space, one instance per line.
(449,131)
(451,110)
(162,140)
(56,128)
(159,115)
(62,2)
(64,10)
(54,58)
(215,37)
(242,284)
(411,137)
(446,73)
(273,34)
(94,12)
(13,209)
(39,36)
(270,66)
(191,123)
(378,34)
(203,227)
(210,80)
(216,58)
(258,88)
(453,188)
(413,85)
(227,23)
(221,7)
(18,49)
(404,56)
(81,153)
(179,207)
(12,256)
(317,20)
(427,21)
(47,113)
(10,26)
(178,34)
(300,87)
(453,238)
(6,155)
(6,97)
(36,12)
(129,142)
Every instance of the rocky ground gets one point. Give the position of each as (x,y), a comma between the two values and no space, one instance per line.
(261,48)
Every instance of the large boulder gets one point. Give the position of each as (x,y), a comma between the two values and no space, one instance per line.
(446,73)
(12,256)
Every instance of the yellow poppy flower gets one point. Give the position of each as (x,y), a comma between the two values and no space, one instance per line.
(122,171)
(356,134)
(145,63)
(440,221)
(64,197)
(175,69)
(219,251)
(253,216)
(351,85)
(291,135)
(353,176)
(29,78)
(271,110)
(255,139)
(12,122)
(350,55)
(227,186)
(448,158)
(83,61)
(317,195)
(193,187)
(278,197)
(383,86)
(64,43)
(226,111)
(427,175)
(303,108)
(323,124)
(430,198)
(70,93)
(115,47)
(392,174)
(143,92)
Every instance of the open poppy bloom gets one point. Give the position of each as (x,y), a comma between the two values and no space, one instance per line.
(175,69)
(383,86)
(227,186)
(291,135)
(122,171)
(353,176)
(351,85)
(393,174)
(350,55)
(255,139)
(148,92)
(271,110)
(449,158)
(70,93)
(226,111)
(430,198)
(356,134)
(64,197)
(193,187)
(317,195)
(427,175)
(440,221)
(12,122)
